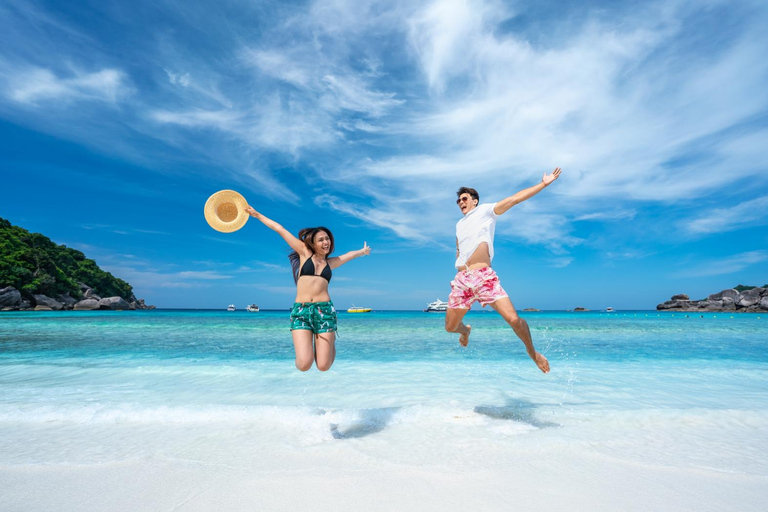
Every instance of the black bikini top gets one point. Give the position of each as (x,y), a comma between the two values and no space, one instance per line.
(308,269)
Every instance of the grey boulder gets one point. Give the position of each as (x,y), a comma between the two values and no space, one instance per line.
(46,302)
(90,294)
(681,296)
(86,305)
(114,303)
(749,297)
(10,297)
(67,300)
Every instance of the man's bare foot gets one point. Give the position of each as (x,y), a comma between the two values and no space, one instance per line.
(541,362)
(464,338)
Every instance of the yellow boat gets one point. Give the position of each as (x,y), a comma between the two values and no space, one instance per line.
(354,309)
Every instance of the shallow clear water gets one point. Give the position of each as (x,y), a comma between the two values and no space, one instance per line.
(657,388)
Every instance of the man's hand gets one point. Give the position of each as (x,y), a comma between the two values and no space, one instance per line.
(365,251)
(549,178)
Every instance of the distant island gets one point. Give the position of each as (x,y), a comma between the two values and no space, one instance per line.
(37,274)
(741,299)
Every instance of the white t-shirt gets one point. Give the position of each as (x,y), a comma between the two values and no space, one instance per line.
(474,228)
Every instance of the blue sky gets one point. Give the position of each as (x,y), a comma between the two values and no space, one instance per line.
(119,119)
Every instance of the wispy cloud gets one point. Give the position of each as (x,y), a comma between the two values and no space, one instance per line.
(728,265)
(204,275)
(718,220)
(561,262)
(37,85)
(608,215)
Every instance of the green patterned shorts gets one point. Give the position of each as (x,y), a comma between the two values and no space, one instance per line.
(317,317)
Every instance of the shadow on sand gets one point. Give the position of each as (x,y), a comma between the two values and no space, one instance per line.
(521,411)
(369,422)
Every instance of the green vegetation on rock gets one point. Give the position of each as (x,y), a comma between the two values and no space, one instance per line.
(33,264)
(743,287)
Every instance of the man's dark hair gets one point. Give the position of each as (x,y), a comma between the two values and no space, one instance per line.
(466,190)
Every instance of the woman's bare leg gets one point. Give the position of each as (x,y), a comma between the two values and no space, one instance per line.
(325,350)
(302,344)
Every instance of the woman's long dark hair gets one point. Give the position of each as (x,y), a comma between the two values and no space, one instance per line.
(307,235)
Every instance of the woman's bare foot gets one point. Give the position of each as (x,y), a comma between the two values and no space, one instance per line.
(464,338)
(541,362)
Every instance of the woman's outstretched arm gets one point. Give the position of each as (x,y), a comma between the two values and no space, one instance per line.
(338,261)
(295,244)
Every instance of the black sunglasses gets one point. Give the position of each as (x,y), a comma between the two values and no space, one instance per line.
(467,198)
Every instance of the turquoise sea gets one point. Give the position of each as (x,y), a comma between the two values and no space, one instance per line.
(220,388)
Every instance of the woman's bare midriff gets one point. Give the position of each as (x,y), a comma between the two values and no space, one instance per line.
(312,289)
(481,258)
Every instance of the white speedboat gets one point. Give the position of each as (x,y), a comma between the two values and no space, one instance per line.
(252,308)
(436,306)
(231,307)
(609,309)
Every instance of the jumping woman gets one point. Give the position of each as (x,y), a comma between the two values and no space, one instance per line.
(313,317)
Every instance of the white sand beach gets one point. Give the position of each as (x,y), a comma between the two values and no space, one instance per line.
(319,481)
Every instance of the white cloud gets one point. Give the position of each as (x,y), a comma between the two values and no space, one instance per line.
(182,80)
(280,65)
(748,213)
(202,274)
(608,215)
(398,223)
(728,265)
(222,119)
(34,85)
(352,94)
(561,262)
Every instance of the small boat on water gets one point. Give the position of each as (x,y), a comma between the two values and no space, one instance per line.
(436,307)
(252,308)
(609,309)
(355,309)
(231,307)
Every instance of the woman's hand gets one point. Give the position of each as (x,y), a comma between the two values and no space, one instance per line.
(365,251)
(249,209)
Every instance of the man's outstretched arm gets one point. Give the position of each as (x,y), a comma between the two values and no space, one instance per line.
(505,204)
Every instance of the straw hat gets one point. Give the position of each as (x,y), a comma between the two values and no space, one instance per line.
(225,211)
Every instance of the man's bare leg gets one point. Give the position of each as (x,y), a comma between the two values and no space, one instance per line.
(453,323)
(507,311)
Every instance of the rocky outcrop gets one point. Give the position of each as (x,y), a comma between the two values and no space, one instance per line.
(114,303)
(10,297)
(43,301)
(86,305)
(12,300)
(139,304)
(67,300)
(750,297)
(748,301)
(90,294)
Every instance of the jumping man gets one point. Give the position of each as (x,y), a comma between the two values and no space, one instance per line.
(476,280)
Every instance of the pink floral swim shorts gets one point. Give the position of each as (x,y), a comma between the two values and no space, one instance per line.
(471,285)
